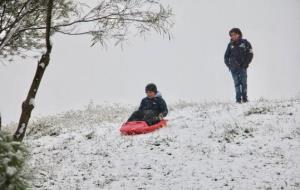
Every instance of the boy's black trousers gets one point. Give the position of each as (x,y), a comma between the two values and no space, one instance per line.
(149,116)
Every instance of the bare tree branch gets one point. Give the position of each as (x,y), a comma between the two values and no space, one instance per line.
(111,20)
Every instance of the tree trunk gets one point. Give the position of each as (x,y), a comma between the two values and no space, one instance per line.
(29,103)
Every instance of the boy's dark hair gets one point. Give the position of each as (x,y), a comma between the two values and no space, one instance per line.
(151,87)
(237,31)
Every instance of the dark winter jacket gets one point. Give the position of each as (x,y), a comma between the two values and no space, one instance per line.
(156,104)
(238,55)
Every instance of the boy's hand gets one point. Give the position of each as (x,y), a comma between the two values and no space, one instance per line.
(160,116)
(246,66)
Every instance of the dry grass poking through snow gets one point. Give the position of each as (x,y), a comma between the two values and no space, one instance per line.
(205,146)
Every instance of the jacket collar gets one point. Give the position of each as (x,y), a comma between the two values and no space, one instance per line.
(237,42)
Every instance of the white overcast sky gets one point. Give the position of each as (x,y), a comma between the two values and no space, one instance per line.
(189,67)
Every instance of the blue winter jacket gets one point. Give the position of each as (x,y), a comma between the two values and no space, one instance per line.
(156,104)
(238,55)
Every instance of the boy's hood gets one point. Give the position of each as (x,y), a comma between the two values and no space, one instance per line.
(158,95)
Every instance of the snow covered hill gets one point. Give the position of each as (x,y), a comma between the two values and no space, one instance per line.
(204,146)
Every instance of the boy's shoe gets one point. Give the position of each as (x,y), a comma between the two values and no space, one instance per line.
(245,100)
(238,101)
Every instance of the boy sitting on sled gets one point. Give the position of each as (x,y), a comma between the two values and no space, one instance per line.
(153,108)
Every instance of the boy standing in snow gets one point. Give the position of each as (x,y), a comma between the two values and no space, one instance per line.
(152,109)
(237,58)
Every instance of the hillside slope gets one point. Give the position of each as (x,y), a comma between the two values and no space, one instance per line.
(204,146)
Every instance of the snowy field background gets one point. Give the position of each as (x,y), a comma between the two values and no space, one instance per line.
(205,146)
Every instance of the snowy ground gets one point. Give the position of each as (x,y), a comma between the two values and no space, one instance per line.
(204,146)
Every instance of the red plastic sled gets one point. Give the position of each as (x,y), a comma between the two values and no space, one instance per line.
(140,127)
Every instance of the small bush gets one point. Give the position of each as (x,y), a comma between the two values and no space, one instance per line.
(258,110)
(12,159)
